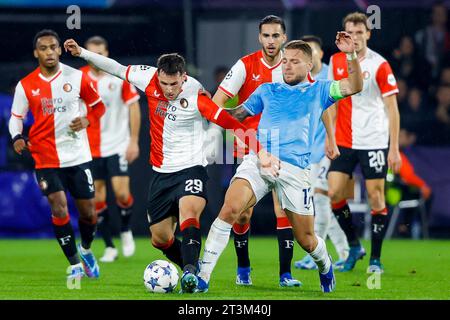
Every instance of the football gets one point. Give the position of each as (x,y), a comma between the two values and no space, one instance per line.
(160,276)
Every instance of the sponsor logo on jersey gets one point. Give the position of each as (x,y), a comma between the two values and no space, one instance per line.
(340,71)
(156,94)
(52,105)
(166,110)
(366,75)
(67,87)
(391,79)
(36,92)
(256,77)
(184,103)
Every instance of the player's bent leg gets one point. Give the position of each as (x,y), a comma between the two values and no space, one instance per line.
(239,197)
(162,238)
(303,227)
(285,239)
(241,231)
(379,214)
(87,224)
(64,232)
(125,201)
(190,209)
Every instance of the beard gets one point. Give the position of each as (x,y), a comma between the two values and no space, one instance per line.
(294,81)
(276,52)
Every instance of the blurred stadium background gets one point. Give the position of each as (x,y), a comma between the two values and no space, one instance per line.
(212,35)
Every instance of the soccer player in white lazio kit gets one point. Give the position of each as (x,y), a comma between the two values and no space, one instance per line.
(242,80)
(325,223)
(114,145)
(179,112)
(290,114)
(59,145)
(367,125)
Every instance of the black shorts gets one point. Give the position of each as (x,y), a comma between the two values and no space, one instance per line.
(112,166)
(77,180)
(166,189)
(373,162)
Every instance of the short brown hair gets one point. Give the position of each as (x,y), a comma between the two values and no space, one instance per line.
(299,45)
(171,64)
(97,40)
(355,18)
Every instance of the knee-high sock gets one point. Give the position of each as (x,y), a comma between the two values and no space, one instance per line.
(379,222)
(172,250)
(125,209)
(191,244)
(101,209)
(217,240)
(343,215)
(320,256)
(66,238)
(285,244)
(338,238)
(323,213)
(241,234)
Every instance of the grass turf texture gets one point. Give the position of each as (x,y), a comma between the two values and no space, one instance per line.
(35,269)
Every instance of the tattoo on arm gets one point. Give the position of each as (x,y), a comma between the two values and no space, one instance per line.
(239,113)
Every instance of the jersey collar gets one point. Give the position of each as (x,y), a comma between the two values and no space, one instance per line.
(56,75)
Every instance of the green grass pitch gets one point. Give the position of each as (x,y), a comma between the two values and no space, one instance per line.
(35,269)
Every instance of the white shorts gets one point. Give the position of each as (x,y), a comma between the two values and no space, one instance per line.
(292,186)
(319,174)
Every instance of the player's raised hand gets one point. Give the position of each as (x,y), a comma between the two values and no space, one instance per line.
(73,47)
(132,151)
(345,42)
(269,164)
(79,123)
(394,160)
(20,145)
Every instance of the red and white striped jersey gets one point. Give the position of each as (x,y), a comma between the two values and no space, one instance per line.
(362,120)
(245,76)
(54,103)
(111,133)
(177,127)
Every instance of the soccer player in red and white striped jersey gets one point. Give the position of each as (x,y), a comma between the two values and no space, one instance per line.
(247,74)
(114,145)
(178,111)
(59,144)
(367,130)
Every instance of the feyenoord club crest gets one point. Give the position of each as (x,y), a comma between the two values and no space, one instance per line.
(184,103)
(67,87)
(43,184)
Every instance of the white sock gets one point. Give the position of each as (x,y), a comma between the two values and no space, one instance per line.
(338,237)
(320,256)
(322,209)
(217,240)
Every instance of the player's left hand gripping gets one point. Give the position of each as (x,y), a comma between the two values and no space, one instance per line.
(73,47)
(79,123)
(394,160)
(345,42)
(269,163)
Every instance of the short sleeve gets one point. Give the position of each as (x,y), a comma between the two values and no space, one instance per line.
(20,104)
(129,93)
(326,95)
(386,80)
(140,75)
(88,92)
(254,104)
(234,79)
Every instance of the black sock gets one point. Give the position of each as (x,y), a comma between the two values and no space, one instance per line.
(173,252)
(104,227)
(66,239)
(344,217)
(286,249)
(125,218)
(190,247)
(379,222)
(241,233)
(87,232)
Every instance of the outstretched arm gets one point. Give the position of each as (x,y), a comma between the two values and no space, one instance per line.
(106,64)
(354,83)
(239,113)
